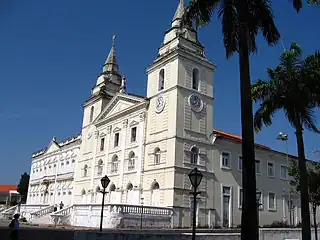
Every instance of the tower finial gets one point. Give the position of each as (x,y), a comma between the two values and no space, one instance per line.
(114,40)
(111,62)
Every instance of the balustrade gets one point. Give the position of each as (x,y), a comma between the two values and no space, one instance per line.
(42,212)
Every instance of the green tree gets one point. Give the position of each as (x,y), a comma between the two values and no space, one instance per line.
(241,21)
(313,185)
(23,186)
(294,88)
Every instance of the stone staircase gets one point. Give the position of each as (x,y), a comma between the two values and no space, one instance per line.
(42,216)
(8,212)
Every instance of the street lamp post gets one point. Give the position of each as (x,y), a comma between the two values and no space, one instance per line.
(141,212)
(104,182)
(195,177)
(284,137)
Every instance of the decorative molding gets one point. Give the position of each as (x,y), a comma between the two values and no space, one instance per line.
(133,123)
(115,101)
(125,123)
(123,113)
(142,116)
(109,128)
(117,129)
(96,134)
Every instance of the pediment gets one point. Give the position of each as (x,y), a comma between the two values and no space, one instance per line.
(53,146)
(120,103)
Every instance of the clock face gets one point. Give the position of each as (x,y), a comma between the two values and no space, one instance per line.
(196,103)
(160,102)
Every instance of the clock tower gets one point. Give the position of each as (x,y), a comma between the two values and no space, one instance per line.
(180,90)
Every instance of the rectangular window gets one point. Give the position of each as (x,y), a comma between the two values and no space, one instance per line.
(101,144)
(272,201)
(131,164)
(225,158)
(133,134)
(240,161)
(226,205)
(270,169)
(240,197)
(283,172)
(259,199)
(258,168)
(116,139)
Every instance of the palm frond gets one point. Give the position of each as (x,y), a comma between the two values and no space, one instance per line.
(308,119)
(230,26)
(199,12)
(264,114)
(264,19)
(260,90)
(297,4)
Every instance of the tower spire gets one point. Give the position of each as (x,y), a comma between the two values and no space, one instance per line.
(110,64)
(178,14)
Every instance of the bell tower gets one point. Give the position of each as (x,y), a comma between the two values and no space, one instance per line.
(108,84)
(180,89)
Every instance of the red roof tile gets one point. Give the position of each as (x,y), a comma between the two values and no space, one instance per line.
(235,138)
(7,187)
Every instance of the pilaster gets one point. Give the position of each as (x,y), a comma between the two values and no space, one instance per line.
(124,136)
(108,136)
(96,135)
(140,155)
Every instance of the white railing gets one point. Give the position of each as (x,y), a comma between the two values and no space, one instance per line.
(42,212)
(8,213)
(145,210)
(62,216)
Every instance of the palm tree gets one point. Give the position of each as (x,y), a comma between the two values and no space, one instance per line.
(297,4)
(294,87)
(241,22)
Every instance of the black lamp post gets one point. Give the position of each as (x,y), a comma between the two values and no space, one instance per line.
(104,182)
(141,216)
(195,177)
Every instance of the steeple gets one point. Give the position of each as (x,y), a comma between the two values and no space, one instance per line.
(179,14)
(110,64)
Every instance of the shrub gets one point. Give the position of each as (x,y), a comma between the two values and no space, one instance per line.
(277,224)
(23,219)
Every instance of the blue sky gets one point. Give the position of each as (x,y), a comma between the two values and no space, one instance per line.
(52,51)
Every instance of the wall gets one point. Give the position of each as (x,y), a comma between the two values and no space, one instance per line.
(265,234)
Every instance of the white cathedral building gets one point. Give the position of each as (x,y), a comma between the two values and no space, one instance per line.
(147,145)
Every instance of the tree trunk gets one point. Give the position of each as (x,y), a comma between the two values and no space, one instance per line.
(315,222)
(304,196)
(249,217)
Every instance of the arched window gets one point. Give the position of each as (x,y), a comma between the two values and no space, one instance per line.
(195,79)
(131,162)
(161,80)
(194,155)
(97,189)
(83,192)
(155,193)
(114,164)
(157,156)
(85,170)
(91,113)
(100,167)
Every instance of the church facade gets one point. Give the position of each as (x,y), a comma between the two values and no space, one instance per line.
(147,145)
